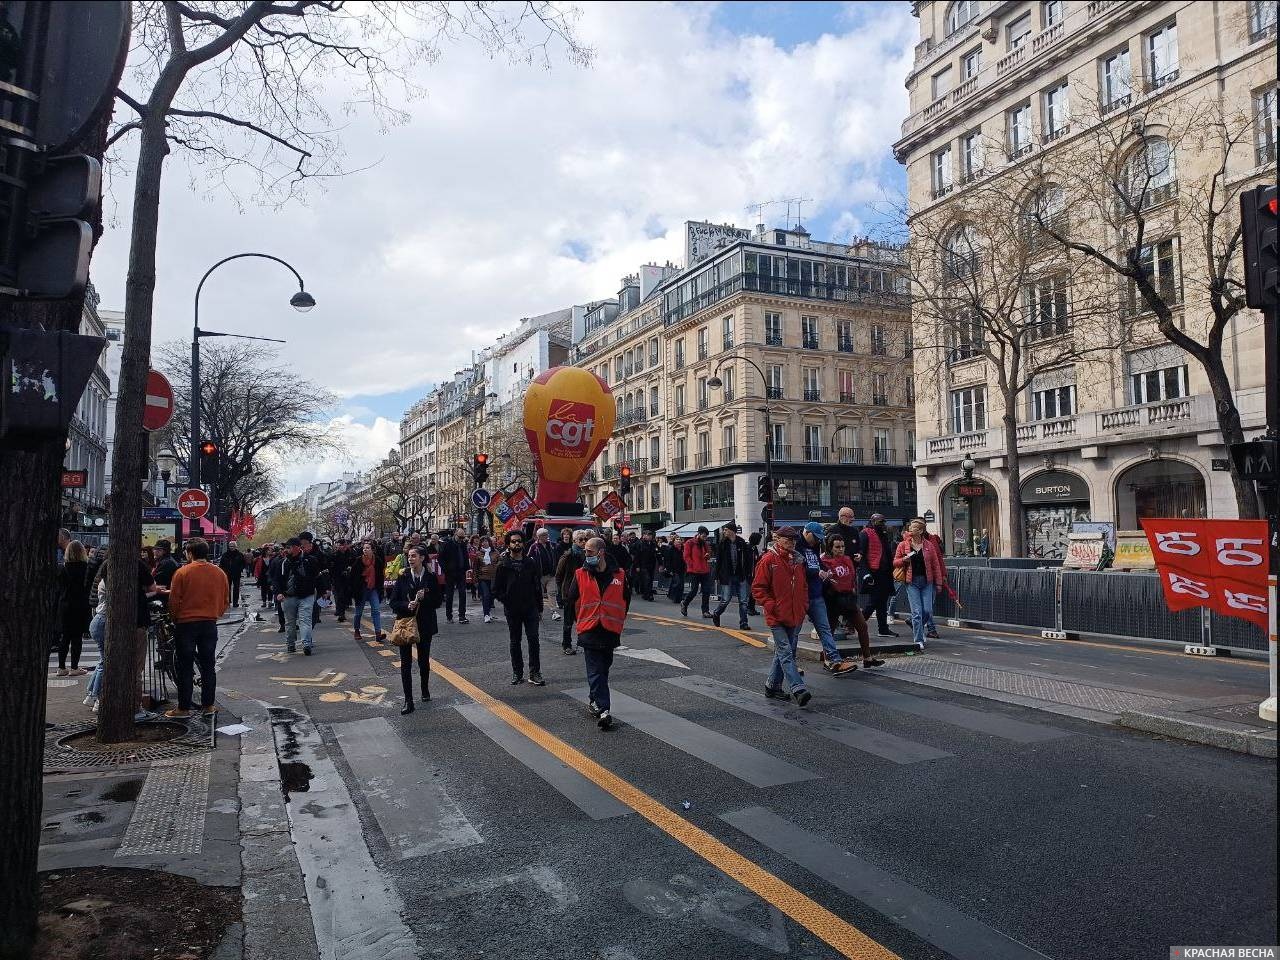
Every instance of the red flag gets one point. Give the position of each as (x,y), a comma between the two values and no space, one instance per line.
(1220,564)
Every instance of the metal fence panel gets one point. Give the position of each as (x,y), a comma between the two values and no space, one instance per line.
(1234,632)
(1024,597)
(1124,605)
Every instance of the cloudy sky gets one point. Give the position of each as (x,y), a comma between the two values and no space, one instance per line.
(516,190)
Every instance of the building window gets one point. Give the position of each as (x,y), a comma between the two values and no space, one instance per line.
(682,454)
(704,451)
(960,14)
(655,452)
(908,345)
(1044,305)
(1159,263)
(1262,19)
(1266,119)
(704,396)
(774,386)
(653,352)
(617,368)
(1018,32)
(844,336)
(653,401)
(1054,402)
(639,495)
(1050,13)
(941,83)
(773,329)
(940,164)
(812,388)
(971,155)
(910,386)
(679,399)
(879,389)
(809,332)
(960,258)
(1017,123)
(704,339)
(813,451)
(879,346)
(1056,111)
(1046,211)
(969,409)
(729,377)
(726,332)
(1162,55)
(881,452)
(846,386)
(655,496)
(1150,176)
(971,64)
(778,444)
(679,353)
(729,447)
(1117,81)
(1156,375)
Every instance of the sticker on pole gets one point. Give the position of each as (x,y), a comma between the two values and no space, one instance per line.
(158,409)
(193,504)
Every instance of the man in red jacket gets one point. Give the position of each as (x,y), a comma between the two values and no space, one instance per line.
(697,567)
(781,588)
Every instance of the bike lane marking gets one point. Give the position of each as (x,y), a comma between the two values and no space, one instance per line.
(702,628)
(842,936)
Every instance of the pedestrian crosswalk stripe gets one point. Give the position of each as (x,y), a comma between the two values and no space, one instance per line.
(833,930)
(732,756)
(878,743)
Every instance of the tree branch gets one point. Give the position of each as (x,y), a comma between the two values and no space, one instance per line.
(235,121)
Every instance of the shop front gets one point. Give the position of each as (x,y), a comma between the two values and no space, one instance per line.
(1052,500)
(970,519)
(1159,488)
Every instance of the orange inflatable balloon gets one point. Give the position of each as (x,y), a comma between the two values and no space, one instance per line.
(568,419)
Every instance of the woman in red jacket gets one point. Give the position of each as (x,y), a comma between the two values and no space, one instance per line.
(840,593)
(920,557)
(781,588)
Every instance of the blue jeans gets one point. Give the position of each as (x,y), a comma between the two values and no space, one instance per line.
(598,663)
(818,617)
(297,613)
(784,659)
(374,599)
(920,592)
(486,596)
(699,581)
(98,632)
(739,590)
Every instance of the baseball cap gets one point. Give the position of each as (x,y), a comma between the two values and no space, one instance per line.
(788,533)
(815,528)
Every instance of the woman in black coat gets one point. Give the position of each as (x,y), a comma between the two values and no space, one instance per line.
(417,594)
(73,607)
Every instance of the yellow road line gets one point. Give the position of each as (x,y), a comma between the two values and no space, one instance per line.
(701,628)
(839,934)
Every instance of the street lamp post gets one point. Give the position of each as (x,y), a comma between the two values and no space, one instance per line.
(300,301)
(715,383)
(967,466)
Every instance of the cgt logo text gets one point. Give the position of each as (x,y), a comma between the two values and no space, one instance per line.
(569,428)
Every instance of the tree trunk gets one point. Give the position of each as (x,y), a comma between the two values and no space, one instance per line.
(125,650)
(29,517)
(1232,432)
(1016,518)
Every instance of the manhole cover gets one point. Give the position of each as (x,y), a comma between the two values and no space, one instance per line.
(72,746)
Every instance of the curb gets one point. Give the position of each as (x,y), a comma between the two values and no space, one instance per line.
(1214,733)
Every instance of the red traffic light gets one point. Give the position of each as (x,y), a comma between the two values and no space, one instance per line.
(208,448)
(480,458)
(625,471)
(1272,206)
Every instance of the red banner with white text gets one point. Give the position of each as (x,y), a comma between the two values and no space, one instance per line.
(1220,564)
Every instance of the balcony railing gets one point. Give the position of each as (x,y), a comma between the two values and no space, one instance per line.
(884,455)
(773,339)
(847,397)
(679,409)
(814,454)
(702,459)
(1046,38)
(880,400)
(679,361)
(773,393)
(728,342)
(703,403)
(702,351)
(780,452)
(728,455)
(936,446)
(728,394)
(653,409)
(849,454)
(879,348)
(810,343)
(973,441)
(1011,60)
(845,345)
(1117,103)
(679,464)
(1152,414)
(589,477)
(813,396)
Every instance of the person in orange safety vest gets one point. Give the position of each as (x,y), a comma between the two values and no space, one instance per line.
(600,596)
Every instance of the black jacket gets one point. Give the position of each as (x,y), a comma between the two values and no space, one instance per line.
(850,535)
(568,563)
(73,600)
(165,569)
(645,554)
(298,578)
(432,598)
(597,638)
(232,564)
(620,555)
(453,558)
(517,584)
(725,553)
(544,554)
(673,559)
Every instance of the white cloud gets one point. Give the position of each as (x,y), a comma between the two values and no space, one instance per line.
(359,446)
(466,223)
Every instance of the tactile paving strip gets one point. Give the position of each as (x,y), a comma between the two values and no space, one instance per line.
(168,817)
(1102,699)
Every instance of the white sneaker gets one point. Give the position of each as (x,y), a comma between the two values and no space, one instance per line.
(555,615)
(488,618)
(89,699)
(62,672)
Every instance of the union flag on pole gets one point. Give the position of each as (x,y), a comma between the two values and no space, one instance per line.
(1220,564)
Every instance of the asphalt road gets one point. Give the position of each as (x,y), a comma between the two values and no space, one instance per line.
(887,818)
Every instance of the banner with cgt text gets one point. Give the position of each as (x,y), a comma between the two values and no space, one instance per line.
(1220,564)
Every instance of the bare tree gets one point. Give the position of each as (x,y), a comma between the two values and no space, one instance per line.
(251,402)
(238,87)
(995,306)
(1157,187)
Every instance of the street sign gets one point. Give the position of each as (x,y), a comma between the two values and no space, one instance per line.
(75,478)
(1258,459)
(480,497)
(158,409)
(160,513)
(193,504)
(930,516)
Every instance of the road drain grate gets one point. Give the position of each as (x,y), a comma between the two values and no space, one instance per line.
(61,753)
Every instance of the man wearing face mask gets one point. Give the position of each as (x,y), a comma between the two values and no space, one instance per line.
(517,585)
(570,563)
(599,595)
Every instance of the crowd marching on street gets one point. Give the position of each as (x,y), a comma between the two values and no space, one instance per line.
(837,578)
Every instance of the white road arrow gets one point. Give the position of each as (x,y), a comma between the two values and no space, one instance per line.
(652,654)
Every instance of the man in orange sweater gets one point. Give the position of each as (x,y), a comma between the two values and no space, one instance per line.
(198,596)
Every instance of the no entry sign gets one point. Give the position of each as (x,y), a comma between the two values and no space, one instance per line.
(158,409)
(193,504)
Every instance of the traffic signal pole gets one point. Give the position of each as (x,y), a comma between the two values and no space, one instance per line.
(1271,501)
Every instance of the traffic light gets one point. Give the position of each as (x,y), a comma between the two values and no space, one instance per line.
(209,462)
(1260,233)
(764,490)
(52,257)
(480,468)
(624,475)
